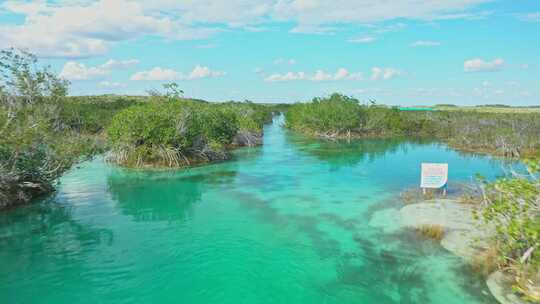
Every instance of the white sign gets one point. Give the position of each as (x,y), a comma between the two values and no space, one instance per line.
(434,176)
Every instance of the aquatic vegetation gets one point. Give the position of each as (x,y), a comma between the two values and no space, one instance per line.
(435,232)
(486,262)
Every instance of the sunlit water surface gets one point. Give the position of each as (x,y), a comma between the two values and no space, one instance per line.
(287,222)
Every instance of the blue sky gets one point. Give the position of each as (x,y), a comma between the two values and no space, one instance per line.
(404,52)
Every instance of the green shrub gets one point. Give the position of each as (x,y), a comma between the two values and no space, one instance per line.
(502,133)
(332,116)
(179,132)
(512,206)
(91,114)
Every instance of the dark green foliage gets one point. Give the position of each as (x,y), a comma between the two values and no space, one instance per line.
(180,132)
(91,114)
(332,116)
(42,132)
(502,133)
(339,116)
(512,207)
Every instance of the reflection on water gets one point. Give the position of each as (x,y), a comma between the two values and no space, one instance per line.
(165,199)
(283,223)
(342,152)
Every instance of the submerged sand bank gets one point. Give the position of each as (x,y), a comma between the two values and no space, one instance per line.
(464,236)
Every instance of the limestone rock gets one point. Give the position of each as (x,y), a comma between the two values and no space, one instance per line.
(449,214)
(500,286)
(465,243)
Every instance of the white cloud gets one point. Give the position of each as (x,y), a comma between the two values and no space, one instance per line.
(158,74)
(425,43)
(89,28)
(378,73)
(25,8)
(112,85)
(480,65)
(340,74)
(79,71)
(531,17)
(162,74)
(465,16)
(316,29)
(389,28)
(317,12)
(290,76)
(319,75)
(233,13)
(82,30)
(112,64)
(203,72)
(365,39)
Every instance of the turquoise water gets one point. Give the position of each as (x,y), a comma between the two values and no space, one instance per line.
(287,222)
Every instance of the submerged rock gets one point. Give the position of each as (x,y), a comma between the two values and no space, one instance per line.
(463,236)
(449,214)
(500,285)
(466,244)
(14,190)
(247,139)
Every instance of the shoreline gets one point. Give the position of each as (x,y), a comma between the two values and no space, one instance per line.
(487,151)
(462,235)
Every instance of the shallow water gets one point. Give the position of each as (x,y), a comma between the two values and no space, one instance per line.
(287,222)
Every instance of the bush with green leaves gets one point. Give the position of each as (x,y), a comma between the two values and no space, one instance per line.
(179,132)
(512,207)
(329,117)
(36,147)
(508,134)
(92,114)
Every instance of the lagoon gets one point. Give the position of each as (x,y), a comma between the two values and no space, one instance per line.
(287,222)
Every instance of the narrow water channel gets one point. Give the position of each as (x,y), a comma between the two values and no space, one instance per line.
(287,222)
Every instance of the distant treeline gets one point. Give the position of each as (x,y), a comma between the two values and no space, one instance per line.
(338,116)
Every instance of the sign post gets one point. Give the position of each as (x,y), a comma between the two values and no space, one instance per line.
(434,176)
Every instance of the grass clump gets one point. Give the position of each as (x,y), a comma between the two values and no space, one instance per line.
(434,232)
(486,262)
